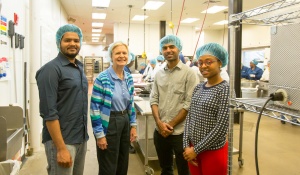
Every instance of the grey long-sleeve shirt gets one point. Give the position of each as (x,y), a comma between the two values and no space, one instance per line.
(172,91)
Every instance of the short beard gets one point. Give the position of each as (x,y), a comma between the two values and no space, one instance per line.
(70,56)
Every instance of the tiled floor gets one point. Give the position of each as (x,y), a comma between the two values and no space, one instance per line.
(278,151)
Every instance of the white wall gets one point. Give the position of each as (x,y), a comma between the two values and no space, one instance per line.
(253,36)
(34,16)
(45,18)
(9,94)
(187,35)
(91,50)
(256,36)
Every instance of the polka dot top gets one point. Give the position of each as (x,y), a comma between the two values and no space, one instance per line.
(207,121)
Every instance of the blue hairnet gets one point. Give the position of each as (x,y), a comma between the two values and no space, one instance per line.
(254,61)
(143,64)
(170,39)
(160,58)
(215,50)
(153,61)
(131,56)
(67,28)
(181,57)
(112,46)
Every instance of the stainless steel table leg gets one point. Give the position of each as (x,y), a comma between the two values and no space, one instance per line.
(240,158)
(148,169)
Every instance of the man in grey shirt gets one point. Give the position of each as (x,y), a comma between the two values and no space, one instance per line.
(63,92)
(170,101)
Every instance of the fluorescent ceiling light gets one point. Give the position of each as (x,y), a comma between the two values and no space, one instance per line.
(98,15)
(221,22)
(95,38)
(95,41)
(215,9)
(95,34)
(97,30)
(100,3)
(97,24)
(153,5)
(189,20)
(139,17)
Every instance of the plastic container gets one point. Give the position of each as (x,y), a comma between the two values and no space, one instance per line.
(249,92)
(10,167)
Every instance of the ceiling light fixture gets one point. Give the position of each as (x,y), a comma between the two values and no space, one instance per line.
(96,30)
(171,25)
(144,55)
(71,20)
(95,34)
(98,15)
(130,6)
(221,22)
(153,5)
(215,9)
(189,20)
(97,24)
(139,17)
(224,25)
(100,3)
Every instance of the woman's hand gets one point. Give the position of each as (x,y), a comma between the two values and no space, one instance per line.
(102,143)
(189,154)
(133,134)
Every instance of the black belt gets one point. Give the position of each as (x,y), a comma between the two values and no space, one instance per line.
(119,112)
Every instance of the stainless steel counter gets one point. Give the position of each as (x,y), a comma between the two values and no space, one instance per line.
(143,106)
(146,125)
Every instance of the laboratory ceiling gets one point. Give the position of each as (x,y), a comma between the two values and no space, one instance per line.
(80,13)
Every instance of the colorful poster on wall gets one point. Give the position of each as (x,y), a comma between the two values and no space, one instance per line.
(3,30)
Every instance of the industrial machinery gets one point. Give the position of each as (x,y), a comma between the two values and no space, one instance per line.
(283,15)
(284,73)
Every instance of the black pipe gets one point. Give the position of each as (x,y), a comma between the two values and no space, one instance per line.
(236,6)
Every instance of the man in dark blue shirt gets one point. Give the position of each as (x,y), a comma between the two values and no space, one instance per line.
(254,72)
(63,92)
(244,71)
(143,67)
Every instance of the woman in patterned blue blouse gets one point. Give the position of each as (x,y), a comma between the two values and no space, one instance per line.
(205,144)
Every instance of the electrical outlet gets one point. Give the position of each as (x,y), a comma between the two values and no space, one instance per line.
(285,95)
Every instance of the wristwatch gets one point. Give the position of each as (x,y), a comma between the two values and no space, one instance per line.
(134,126)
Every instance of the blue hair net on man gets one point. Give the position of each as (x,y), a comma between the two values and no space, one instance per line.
(153,61)
(170,39)
(67,28)
(215,50)
(143,64)
(254,61)
(160,58)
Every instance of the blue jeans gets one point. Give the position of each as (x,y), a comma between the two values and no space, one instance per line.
(165,149)
(77,152)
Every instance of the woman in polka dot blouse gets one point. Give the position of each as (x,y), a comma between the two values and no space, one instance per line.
(204,142)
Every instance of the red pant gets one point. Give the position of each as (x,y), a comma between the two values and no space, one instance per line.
(211,162)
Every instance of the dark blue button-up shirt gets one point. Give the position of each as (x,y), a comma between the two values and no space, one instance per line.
(63,92)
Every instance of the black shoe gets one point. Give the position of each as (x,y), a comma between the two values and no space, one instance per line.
(131,149)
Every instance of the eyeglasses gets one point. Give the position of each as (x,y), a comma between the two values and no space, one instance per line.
(207,62)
